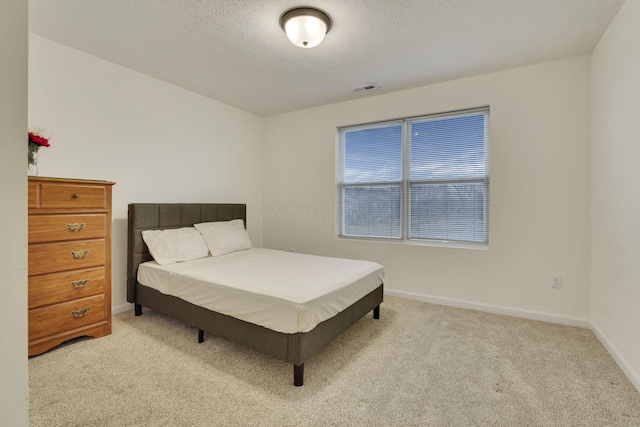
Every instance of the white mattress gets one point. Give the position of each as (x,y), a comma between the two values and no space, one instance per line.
(283,291)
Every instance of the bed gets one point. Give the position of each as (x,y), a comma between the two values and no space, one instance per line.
(283,344)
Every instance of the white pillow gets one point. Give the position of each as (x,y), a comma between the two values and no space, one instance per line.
(224,237)
(175,245)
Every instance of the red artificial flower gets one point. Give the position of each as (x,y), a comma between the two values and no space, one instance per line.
(38,140)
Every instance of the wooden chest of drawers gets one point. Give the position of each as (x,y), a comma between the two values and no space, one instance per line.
(69,261)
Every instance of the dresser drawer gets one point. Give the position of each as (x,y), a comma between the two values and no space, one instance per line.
(51,228)
(65,316)
(33,195)
(54,257)
(60,287)
(63,195)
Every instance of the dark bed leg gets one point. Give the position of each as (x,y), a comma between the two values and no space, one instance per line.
(138,309)
(298,375)
(376,312)
(200,336)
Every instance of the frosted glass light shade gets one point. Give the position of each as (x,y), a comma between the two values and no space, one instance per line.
(305,27)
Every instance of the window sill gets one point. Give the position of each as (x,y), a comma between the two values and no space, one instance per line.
(428,243)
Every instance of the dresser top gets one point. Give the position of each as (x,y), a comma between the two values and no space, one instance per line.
(69,180)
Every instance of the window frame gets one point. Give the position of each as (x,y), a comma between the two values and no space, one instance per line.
(406,182)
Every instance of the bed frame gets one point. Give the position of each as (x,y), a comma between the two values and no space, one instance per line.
(295,348)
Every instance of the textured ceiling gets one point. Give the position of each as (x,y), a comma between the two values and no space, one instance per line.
(235,51)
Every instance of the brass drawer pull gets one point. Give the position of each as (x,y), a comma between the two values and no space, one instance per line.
(80,313)
(80,254)
(80,283)
(76,226)
(75,196)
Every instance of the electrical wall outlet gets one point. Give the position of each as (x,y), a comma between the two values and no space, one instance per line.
(556,282)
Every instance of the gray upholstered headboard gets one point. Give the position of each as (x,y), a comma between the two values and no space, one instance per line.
(155,216)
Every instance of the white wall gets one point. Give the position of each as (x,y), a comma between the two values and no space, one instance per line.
(615,203)
(539,221)
(157,142)
(14,388)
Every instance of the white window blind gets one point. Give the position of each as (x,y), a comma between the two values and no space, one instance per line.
(421,178)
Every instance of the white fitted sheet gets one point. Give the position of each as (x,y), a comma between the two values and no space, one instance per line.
(283,291)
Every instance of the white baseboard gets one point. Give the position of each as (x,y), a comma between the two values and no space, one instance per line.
(532,315)
(121,308)
(622,363)
(495,309)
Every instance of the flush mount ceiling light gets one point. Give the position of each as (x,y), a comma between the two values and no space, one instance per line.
(305,26)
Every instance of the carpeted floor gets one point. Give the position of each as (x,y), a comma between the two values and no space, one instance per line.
(419,365)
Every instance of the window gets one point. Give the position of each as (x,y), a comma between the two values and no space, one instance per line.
(418,179)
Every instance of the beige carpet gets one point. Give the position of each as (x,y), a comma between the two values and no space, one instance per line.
(419,365)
